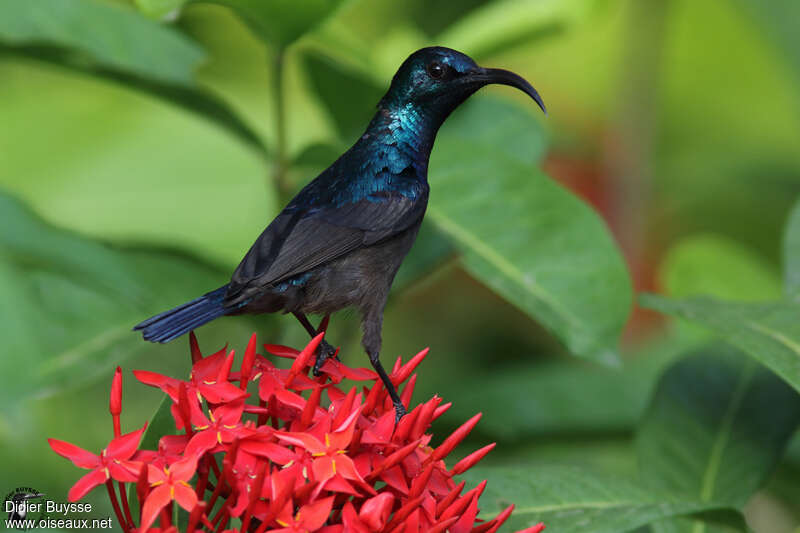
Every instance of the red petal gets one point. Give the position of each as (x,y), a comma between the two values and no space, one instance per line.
(467,518)
(184,469)
(441,483)
(221,392)
(356,374)
(86,483)
(185,496)
(347,468)
(247,362)
(281,351)
(125,471)
(207,368)
(351,520)
(376,510)
(381,430)
(272,451)
(82,458)
(313,515)
(324,468)
(201,442)
(305,440)
(125,446)
(290,399)
(412,522)
(156,500)
(336,484)
(342,435)
(173,444)
(394,478)
(165,383)
(230,413)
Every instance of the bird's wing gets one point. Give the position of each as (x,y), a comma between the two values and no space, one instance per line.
(298,241)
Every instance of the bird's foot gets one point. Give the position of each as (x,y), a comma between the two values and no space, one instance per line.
(399,411)
(324,352)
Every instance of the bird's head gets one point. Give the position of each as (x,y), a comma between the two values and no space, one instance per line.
(439,79)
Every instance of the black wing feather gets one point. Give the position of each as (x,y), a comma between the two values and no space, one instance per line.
(297,242)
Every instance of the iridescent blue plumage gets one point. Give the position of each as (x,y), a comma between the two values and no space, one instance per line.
(340,241)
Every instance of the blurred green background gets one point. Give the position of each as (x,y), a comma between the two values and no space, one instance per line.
(144,145)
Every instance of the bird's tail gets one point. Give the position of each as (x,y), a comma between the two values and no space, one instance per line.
(182,319)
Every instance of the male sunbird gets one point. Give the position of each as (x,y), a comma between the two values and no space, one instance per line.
(340,241)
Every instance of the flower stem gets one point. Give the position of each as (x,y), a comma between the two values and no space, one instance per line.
(112,495)
(202,478)
(125,505)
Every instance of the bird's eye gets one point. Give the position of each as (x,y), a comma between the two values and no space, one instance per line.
(435,70)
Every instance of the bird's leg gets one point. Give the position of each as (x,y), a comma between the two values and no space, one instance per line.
(372,323)
(324,350)
(399,408)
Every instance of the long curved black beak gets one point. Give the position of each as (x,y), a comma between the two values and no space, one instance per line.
(486,76)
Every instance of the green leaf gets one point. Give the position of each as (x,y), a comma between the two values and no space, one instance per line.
(344,92)
(791,254)
(522,400)
(156,175)
(715,265)
(160,424)
(74,301)
(281,22)
(778,17)
(574,499)
(159,8)
(526,237)
(497,26)
(769,332)
(113,36)
(716,428)
(118,45)
(728,521)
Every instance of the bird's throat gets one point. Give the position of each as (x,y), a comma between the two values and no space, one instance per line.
(407,130)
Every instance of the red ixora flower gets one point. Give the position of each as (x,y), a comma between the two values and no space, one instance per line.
(299,454)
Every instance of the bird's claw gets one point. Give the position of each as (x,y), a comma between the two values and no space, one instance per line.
(399,411)
(324,352)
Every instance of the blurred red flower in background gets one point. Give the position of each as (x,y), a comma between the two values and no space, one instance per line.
(285,462)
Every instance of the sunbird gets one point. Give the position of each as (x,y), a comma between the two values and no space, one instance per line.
(340,241)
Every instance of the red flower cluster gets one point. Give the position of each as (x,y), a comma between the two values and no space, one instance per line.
(286,463)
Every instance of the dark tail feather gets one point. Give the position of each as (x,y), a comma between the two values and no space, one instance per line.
(173,323)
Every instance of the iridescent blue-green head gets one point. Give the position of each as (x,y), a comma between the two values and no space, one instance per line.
(436,80)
